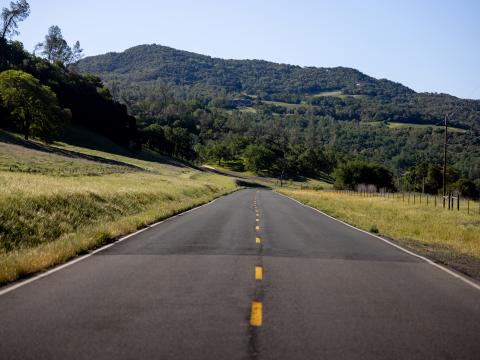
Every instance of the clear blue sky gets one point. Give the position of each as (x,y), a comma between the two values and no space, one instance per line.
(427,45)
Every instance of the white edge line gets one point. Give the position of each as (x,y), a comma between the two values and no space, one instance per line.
(441,267)
(83,257)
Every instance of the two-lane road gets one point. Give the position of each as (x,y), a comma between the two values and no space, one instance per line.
(186,289)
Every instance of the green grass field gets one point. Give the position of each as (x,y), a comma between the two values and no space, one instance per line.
(449,237)
(337,93)
(394,125)
(60,201)
(284,104)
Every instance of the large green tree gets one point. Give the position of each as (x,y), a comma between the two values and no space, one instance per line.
(33,107)
(258,158)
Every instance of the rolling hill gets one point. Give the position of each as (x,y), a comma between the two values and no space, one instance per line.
(142,70)
(339,110)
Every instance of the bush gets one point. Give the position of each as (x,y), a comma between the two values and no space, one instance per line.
(350,175)
(465,187)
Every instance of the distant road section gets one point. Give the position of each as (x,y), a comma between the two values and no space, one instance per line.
(253,275)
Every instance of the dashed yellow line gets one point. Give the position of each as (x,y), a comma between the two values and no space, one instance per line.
(257,227)
(256,314)
(258,240)
(258,220)
(258,273)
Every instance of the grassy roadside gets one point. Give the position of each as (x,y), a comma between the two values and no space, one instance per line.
(451,238)
(57,202)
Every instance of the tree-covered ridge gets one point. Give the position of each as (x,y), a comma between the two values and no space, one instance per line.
(146,63)
(195,106)
(344,93)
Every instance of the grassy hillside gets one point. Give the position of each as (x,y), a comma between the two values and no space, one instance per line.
(59,201)
(448,237)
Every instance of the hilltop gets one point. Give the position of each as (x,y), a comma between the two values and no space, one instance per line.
(141,70)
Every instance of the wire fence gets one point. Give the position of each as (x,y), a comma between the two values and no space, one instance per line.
(450,202)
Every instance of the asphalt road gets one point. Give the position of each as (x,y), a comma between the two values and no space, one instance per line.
(202,286)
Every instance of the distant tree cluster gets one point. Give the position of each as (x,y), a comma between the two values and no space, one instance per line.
(56,49)
(354,173)
(428,178)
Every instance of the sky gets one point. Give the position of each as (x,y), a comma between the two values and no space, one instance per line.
(427,45)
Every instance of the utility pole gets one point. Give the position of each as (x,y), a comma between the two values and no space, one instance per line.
(445,162)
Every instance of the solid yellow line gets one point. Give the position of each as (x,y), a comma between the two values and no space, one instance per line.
(257,227)
(258,273)
(258,240)
(256,314)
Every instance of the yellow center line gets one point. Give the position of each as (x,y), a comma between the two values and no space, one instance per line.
(258,273)
(258,219)
(258,240)
(256,314)
(257,227)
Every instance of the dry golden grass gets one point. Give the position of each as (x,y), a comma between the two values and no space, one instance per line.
(449,237)
(52,214)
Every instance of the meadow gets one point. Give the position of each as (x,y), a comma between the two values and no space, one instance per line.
(59,201)
(448,237)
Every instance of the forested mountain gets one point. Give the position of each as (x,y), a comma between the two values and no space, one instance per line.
(295,120)
(142,72)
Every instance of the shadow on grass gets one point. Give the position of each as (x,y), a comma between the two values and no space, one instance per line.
(98,144)
(251,184)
